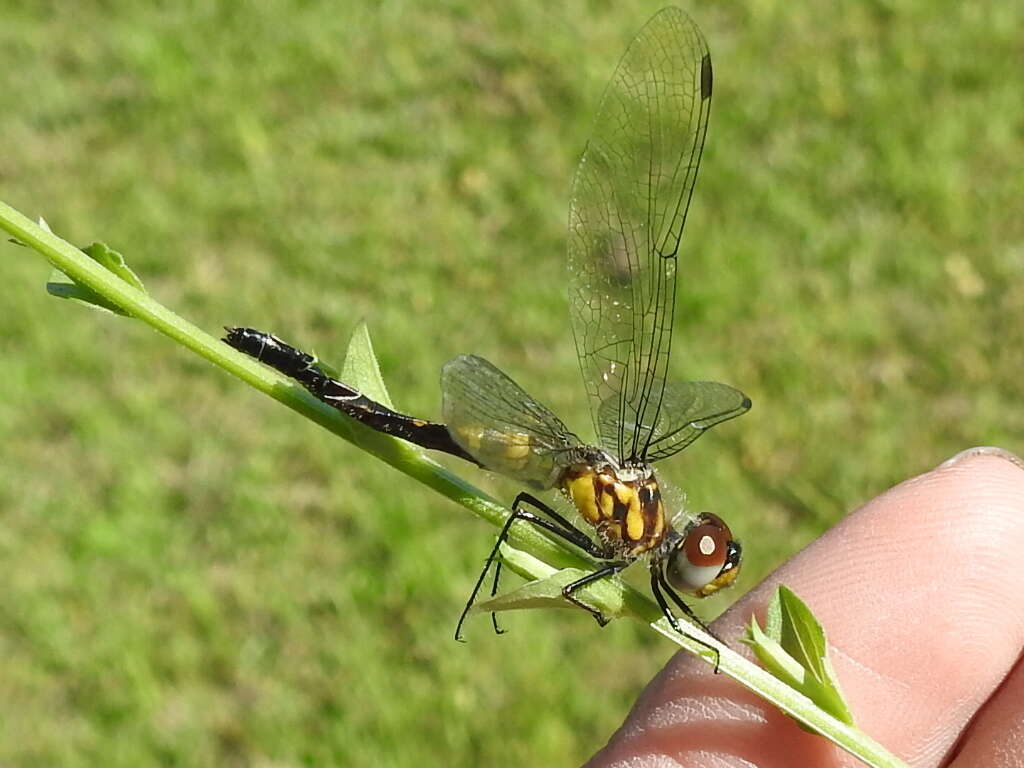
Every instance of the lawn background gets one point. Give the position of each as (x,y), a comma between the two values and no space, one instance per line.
(195,576)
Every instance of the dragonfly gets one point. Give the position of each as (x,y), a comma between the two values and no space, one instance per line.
(628,206)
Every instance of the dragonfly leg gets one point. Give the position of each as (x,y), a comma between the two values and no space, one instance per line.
(558,526)
(494,590)
(657,584)
(609,569)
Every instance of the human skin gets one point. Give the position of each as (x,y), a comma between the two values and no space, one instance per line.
(921,593)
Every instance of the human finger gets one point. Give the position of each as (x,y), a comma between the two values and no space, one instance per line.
(920,594)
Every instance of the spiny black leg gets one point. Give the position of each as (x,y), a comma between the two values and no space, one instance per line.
(689,612)
(502,535)
(657,582)
(494,590)
(575,536)
(567,591)
(568,531)
(578,538)
(561,528)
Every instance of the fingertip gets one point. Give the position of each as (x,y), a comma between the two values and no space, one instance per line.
(919,593)
(983,450)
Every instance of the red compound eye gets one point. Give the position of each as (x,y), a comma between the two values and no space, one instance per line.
(706,560)
(706,544)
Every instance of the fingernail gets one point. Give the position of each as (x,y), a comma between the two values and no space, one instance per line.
(984,450)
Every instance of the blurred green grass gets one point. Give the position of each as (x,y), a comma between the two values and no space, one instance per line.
(194,576)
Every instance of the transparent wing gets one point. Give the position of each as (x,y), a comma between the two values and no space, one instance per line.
(502,427)
(629,203)
(687,410)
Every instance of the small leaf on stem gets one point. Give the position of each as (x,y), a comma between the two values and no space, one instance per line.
(794,649)
(360,369)
(64,287)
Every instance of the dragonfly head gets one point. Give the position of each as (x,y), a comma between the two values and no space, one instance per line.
(704,559)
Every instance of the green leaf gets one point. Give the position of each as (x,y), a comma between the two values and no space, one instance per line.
(773,657)
(106,256)
(801,635)
(64,287)
(794,649)
(539,593)
(360,369)
(544,590)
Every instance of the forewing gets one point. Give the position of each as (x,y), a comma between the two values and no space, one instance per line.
(688,409)
(629,203)
(496,422)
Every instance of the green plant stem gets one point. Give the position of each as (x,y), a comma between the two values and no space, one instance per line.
(544,553)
